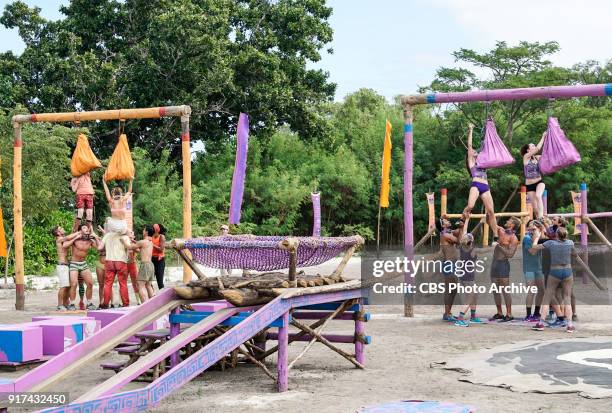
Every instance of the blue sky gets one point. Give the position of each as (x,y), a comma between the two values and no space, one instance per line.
(394,46)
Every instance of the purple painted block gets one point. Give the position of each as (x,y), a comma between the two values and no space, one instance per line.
(20,342)
(211,305)
(108,316)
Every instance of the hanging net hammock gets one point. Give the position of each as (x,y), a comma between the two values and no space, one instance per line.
(265,253)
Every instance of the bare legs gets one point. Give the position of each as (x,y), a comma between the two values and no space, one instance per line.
(487,201)
(566,287)
(502,282)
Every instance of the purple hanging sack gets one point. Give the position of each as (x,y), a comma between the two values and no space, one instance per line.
(493,153)
(558,151)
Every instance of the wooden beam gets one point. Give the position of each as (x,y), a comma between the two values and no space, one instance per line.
(18,219)
(186,158)
(115,114)
(596,230)
(187,260)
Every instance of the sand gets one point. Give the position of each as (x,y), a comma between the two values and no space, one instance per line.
(398,367)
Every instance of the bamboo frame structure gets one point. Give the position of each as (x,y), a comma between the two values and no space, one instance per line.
(547,92)
(183,112)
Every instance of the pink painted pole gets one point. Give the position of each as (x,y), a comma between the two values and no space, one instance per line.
(359,331)
(584,231)
(584,237)
(546,92)
(408,217)
(175,329)
(282,383)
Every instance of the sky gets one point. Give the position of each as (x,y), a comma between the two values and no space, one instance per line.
(395,46)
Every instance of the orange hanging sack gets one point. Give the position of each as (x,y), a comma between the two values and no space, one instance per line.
(121,165)
(83,158)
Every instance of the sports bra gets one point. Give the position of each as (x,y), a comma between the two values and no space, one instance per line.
(532,169)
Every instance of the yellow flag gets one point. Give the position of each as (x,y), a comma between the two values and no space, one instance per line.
(386,167)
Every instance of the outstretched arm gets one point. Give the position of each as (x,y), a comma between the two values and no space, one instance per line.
(470,135)
(69,242)
(541,143)
(129,191)
(106,191)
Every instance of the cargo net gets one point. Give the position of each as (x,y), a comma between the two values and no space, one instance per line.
(263,253)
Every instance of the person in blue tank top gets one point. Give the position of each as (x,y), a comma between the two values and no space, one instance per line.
(532,270)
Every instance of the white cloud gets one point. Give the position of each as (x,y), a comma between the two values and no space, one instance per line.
(582,28)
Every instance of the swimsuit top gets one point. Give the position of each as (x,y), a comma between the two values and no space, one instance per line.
(478,172)
(532,169)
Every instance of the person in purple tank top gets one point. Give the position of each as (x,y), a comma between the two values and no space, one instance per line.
(533,176)
(480,186)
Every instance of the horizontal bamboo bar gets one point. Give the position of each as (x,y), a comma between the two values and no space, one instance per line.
(497,214)
(577,215)
(545,92)
(114,114)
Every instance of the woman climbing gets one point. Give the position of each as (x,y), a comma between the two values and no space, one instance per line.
(533,175)
(117,203)
(480,185)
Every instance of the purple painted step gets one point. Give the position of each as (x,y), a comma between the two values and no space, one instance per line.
(211,305)
(90,325)
(108,316)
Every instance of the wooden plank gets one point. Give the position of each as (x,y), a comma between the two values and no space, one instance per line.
(156,356)
(114,114)
(297,292)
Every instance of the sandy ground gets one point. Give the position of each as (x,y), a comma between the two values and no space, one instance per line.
(398,367)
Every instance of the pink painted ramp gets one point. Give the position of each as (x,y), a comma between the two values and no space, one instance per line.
(418,406)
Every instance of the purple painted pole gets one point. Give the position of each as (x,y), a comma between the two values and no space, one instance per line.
(408,218)
(316,213)
(282,383)
(175,329)
(242,144)
(546,92)
(545,201)
(359,331)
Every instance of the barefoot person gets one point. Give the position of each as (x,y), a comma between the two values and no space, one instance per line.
(83,189)
(480,186)
(500,267)
(561,252)
(146,272)
(533,176)
(532,271)
(133,268)
(78,265)
(467,254)
(61,269)
(450,254)
(117,202)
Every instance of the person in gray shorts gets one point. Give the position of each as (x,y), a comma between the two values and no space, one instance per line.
(146,271)
(500,267)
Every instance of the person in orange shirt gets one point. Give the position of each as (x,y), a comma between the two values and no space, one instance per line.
(159,256)
(83,188)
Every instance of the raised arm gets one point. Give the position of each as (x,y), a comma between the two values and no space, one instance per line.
(129,191)
(470,135)
(106,191)
(69,243)
(535,247)
(541,143)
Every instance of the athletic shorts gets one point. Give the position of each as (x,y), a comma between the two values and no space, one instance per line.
(500,269)
(534,186)
(63,275)
(531,276)
(84,201)
(78,266)
(561,273)
(146,272)
(482,188)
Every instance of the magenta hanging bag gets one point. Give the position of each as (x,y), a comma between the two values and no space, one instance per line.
(493,153)
(558,151)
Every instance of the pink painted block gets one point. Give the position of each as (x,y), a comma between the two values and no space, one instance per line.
(108,316)
(90,324)
(211,305)
(59,335)
(20,342)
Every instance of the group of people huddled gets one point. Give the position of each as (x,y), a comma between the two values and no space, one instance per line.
(547,252)
(117,250)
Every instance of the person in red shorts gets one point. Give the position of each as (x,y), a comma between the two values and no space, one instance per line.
(82,187)
(117,247)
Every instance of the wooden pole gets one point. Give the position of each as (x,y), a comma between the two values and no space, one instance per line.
(584,232)
(597,232)
(17,219)
(524,213)
(360,331)
(378,235)
(425,238)
(443,201)
(115,114)
(186,156)
(588,271)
